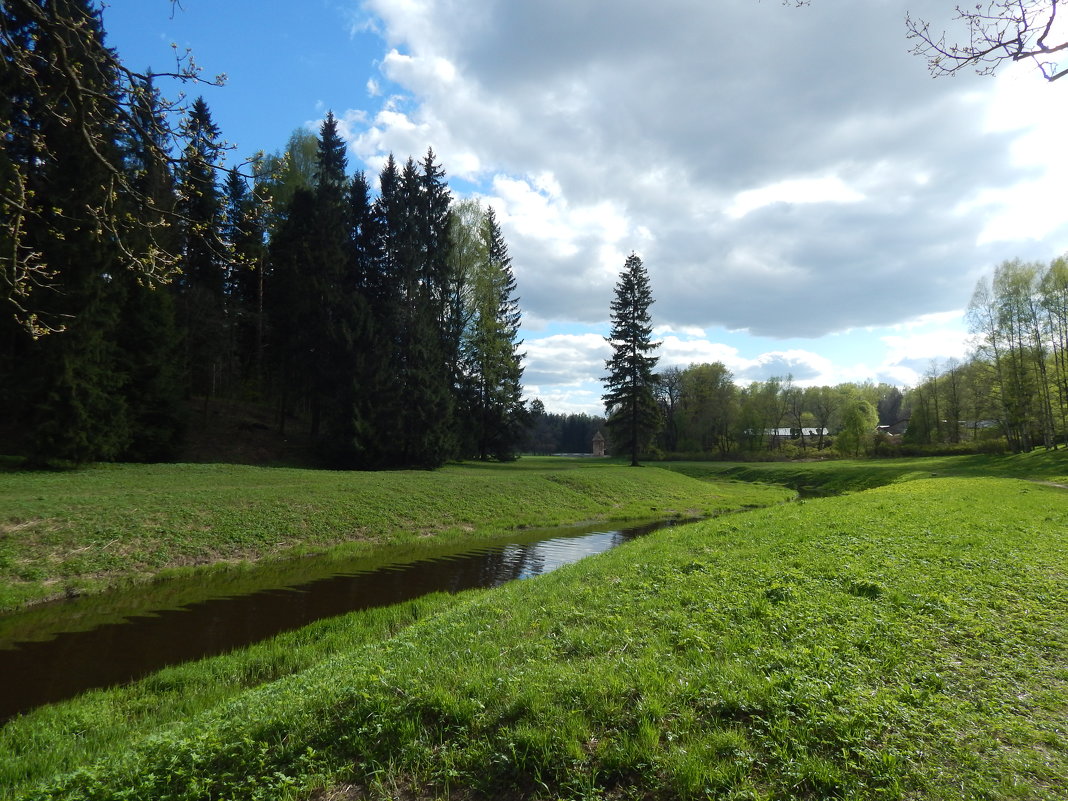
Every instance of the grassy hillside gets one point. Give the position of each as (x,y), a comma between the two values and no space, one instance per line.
(906,642)
(852,475)
(72,532)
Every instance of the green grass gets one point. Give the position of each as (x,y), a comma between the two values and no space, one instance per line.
(906,642)
(852,475)
(58,738)
(64,533)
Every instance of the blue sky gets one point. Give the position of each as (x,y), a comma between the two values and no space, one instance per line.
(806,198)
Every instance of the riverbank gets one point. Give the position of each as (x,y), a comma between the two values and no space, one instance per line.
(905,642)
(76,532)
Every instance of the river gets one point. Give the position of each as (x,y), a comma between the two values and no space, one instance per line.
(56,651)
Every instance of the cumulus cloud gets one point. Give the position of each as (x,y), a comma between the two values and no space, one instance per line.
(791,172)
(805,367)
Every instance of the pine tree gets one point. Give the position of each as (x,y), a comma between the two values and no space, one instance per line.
(633,414)
(437,353)
(200,203)
(364,240)
(386,296)
(327,264)
(243,232)
(434,200)
(371,347)
(290,305)
(345,368)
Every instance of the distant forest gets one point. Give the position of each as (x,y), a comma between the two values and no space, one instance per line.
(1009,394)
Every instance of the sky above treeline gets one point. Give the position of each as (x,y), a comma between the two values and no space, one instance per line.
(806,198)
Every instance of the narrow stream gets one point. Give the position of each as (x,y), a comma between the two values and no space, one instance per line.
(55,652)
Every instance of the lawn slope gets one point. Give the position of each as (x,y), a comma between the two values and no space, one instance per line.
(73,532)
(906,642)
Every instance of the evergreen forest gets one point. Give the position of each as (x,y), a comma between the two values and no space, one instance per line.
(144,281)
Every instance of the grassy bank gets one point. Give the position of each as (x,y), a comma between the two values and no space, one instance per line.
(907,642)
(61,737)
(853,475)
(74,532)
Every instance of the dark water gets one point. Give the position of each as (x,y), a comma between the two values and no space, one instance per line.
(58,651)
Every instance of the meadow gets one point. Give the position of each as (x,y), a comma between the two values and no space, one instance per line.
(69,533)
(907,641)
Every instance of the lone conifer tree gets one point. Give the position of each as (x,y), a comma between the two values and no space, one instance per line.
(633,414)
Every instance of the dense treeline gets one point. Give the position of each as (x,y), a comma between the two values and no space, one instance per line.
(705,413)
(386,323)
(1014,386)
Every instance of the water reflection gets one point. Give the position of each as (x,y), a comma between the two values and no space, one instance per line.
(47,655)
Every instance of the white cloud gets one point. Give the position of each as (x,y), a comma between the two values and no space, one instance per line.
(689,331)
(828,189)
(1030,207)
(924,347)
(565,360)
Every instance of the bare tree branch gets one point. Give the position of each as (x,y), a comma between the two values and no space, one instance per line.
(998,31)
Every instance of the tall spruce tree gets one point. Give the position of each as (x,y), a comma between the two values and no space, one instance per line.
(630,402)
(345,338)
(289,306)
(326,268)
(61,155)
(493,411)
(201,284)
(386,293)
(439,351)
(148,335)
(371,346)
(243,233)
(417,419)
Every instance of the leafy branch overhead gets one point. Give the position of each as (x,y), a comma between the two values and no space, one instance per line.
(62,88)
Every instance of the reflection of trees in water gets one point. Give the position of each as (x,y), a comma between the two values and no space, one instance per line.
(42,672)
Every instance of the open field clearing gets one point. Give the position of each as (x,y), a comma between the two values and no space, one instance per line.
(906,642)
